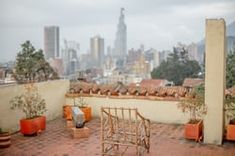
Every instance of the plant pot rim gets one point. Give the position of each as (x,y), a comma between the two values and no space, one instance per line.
(5,133)
(33,117)
(198,121)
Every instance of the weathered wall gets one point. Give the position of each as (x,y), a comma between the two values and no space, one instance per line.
(215,80)
(52,91)
(159,111)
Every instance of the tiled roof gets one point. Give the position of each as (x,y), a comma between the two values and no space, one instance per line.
(133,91)
(154,83)
(192,82)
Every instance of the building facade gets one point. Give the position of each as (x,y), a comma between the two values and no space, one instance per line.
(97,50)
(51,42)
(120,43)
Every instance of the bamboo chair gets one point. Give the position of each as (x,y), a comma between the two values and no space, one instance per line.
(122,128)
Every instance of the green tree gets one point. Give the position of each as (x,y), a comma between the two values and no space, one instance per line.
(31,65)
(177,67)
(230,69)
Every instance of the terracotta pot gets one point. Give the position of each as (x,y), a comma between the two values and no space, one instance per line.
(193,130)
(5,140)
(230,132)
(87,113)
(67,112)
(32,126)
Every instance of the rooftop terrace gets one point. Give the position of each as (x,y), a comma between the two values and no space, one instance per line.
(166,140)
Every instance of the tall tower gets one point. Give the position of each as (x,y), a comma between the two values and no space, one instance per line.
(97,50)
(120,49)
(51,42)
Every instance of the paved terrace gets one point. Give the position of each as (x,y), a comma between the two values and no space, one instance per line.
(166,140)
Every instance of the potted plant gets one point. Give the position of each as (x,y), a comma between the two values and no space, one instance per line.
(230,117)
(67,111)
(77,102)
(194,104)
(5,139)
(33,106)
(84,107)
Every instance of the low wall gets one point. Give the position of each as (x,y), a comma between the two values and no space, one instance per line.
(159,111)
(52,91)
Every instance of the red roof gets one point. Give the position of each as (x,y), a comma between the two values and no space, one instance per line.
(192,82)
(153,83)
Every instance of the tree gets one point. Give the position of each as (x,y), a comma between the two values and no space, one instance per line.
(177,67)
(230,69)
(31,65)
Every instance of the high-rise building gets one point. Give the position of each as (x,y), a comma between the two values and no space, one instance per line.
(192,51)
(70,57)
(97,50)
(120,43)
(51,42)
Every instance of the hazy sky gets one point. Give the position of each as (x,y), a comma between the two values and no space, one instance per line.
(155,23)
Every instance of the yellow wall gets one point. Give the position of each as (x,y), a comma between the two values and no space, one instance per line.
(159,111)
(52,91)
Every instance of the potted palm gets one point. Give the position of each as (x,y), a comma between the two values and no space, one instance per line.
(5,139)
(33,106)
(230,117)
(194,104)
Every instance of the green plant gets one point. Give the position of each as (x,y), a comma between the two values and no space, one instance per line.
(32,66)
(230,109)
(194,103)
(0,130)
(30,102)
(80,102)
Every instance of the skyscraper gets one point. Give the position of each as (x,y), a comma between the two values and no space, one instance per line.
(97,50)
(51,42)
(120,47)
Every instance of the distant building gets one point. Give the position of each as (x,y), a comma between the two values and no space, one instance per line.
(156,58)
(141,68)
(70,57)
(192,82)
(97,50)
(154,83)
(120,43)
(193,52)
(57,65)
(164,55)
(51,42)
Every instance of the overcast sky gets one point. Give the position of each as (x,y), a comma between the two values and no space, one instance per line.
(159,24)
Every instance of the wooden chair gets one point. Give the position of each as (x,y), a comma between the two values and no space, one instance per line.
(122,128)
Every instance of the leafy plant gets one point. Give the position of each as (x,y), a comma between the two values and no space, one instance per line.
(177,67)
(80,102)
(230,109)
(32,66)
(194,103)
(30,102)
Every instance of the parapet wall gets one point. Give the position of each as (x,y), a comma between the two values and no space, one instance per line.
(52,91)
(156,110)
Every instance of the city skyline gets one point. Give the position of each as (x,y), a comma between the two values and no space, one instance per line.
(155,24)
